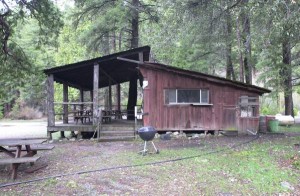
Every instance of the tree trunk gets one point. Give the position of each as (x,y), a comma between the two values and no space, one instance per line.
(286,73)
(135,25)
(106,47)
(113,42)
(238,35)
(132,98)
(247,43)
(229,66)
(7,109)
(120,40)
(132,95)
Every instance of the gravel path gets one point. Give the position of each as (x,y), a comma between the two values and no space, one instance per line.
(22,128)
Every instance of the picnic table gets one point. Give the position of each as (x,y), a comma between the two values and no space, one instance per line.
(14,147)
(82,115)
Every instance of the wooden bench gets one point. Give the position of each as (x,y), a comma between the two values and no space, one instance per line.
(82,118)
(16,162)
(33,148)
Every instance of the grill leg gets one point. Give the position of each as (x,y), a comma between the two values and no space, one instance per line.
(156,150)
(145,148)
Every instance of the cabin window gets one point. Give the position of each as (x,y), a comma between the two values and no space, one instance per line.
(183,96)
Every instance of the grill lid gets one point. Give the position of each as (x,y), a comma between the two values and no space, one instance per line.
(147,133)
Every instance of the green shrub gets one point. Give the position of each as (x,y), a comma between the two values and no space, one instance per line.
(269,110)
(296,111)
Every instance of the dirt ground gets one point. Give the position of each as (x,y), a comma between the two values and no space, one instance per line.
(96,161)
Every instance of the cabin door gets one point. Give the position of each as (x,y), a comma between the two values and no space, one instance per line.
(230,118)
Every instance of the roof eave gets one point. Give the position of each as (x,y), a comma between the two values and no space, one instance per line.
(91,62)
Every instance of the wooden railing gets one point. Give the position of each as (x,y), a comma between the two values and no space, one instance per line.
(82,112)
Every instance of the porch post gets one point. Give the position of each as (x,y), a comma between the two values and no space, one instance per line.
(118,89)
(81,98)
(50,102)
(109,96)
(65,106)
(95,93)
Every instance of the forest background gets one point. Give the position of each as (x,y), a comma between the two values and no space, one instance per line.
(252,41)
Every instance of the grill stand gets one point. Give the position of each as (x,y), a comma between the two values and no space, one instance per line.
(145,150)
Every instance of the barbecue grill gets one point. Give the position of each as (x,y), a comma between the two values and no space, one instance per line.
(147,134)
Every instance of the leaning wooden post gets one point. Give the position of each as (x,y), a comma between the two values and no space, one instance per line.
(95,94)
(50,104)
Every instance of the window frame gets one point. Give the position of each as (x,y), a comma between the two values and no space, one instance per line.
(167,102)
(249,106)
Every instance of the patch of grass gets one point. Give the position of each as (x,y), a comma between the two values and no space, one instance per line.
(295,161)
(293,128)
(72,184)
(50,182)
(249,170)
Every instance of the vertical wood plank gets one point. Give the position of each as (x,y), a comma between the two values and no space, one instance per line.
(95,93)
(65,106)
(50,100)
(109,96)
(118,90)
(81,98)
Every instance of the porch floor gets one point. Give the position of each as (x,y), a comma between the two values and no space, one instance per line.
(116,129)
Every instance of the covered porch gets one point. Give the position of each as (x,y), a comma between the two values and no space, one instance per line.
(92,111)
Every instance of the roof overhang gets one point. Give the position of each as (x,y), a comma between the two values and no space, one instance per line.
(112,69)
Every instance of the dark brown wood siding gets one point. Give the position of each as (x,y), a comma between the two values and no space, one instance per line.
(222,114)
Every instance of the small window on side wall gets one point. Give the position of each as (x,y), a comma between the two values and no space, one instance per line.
(248,106)
(186,96)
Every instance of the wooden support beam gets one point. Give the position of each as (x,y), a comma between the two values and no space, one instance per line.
(65,107)
(118,90)
(81,98)
(109,96)
(73,103)
(65,99)
(95,93)
(91,98)
(50,100)
(130,60)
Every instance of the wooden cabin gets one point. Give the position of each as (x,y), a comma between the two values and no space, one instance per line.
(177,99)
(173,99)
